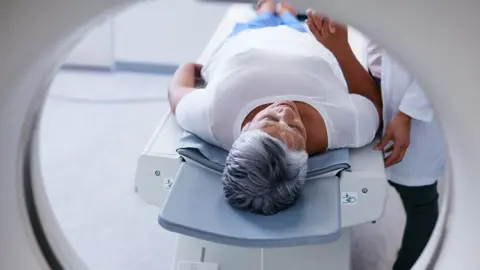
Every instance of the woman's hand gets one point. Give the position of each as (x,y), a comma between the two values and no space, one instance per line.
(397,131)
(333,36)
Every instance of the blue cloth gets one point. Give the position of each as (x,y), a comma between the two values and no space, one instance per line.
(269,19)
(212,157)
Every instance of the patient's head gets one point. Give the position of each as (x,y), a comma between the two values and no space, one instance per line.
(262,174)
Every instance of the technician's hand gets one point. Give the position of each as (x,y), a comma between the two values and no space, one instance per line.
(333,36)
(398,132)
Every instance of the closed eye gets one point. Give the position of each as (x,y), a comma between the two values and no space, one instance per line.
(272,118)
(297,129)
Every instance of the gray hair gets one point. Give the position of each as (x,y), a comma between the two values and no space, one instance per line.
(262,175)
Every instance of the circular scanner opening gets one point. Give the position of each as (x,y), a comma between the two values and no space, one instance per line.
(101,110)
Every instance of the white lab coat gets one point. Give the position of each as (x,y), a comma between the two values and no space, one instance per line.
(424,159)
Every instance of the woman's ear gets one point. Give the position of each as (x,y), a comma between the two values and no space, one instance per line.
(246,126)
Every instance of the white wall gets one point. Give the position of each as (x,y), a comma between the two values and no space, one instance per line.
(152,33)
(156,32)
(96,49)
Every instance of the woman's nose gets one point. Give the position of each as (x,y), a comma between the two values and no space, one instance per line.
(286,114)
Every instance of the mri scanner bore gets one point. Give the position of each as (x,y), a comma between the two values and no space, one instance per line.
(343,68)
(207,238)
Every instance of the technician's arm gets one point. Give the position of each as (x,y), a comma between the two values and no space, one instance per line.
(183,83)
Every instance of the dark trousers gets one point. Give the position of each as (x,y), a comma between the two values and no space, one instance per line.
(421,207)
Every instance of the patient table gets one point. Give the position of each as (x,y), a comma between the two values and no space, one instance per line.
(313,234)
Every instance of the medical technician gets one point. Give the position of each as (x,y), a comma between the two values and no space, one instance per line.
(412,143)
(415,158)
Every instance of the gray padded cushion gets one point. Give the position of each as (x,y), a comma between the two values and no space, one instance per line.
(194,148)
(196,207)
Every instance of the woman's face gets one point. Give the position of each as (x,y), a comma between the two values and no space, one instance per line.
(282,121)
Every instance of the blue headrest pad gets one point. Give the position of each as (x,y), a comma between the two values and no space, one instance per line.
(212,157)
(196,207)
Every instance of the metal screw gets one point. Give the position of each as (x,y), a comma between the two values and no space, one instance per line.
(364,190)
(157,173)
